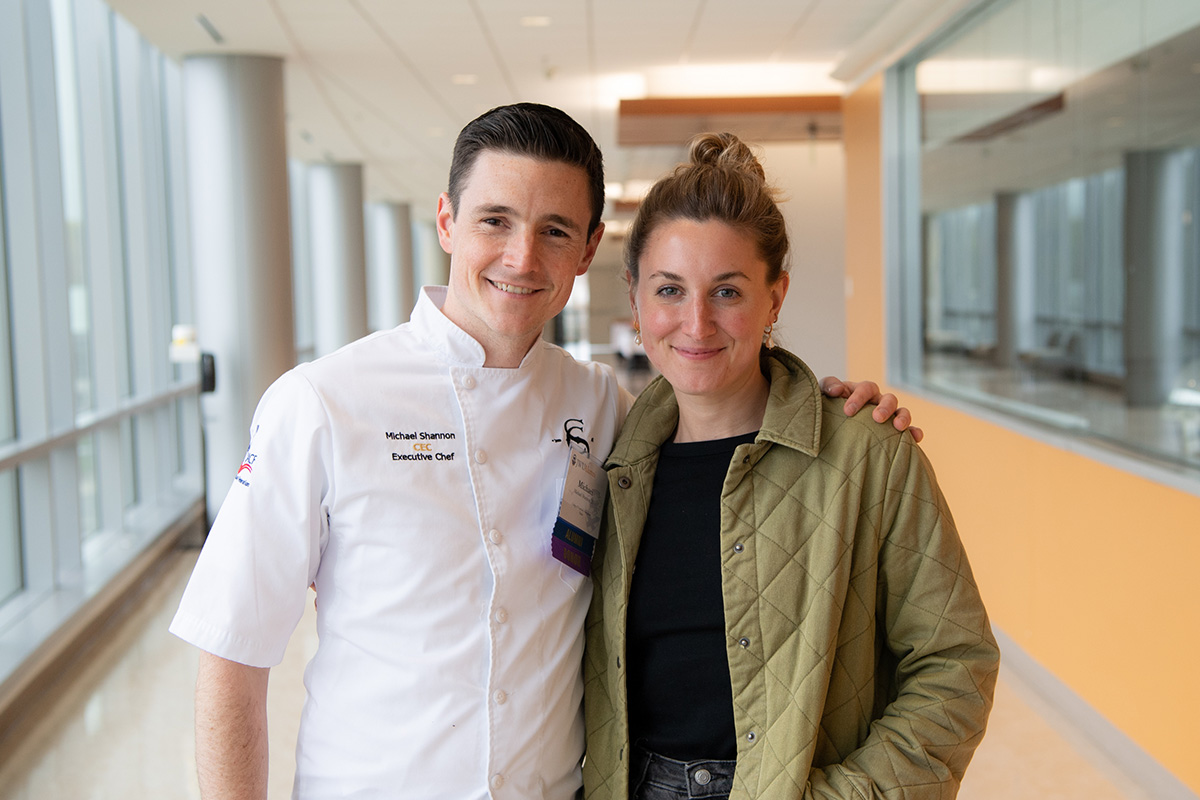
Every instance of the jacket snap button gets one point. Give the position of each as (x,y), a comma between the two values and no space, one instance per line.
(739,547)
(746,460)
(750,737)
(624,482)
(744,642)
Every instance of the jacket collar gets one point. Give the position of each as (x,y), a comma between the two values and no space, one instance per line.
(454,346)
(792,418)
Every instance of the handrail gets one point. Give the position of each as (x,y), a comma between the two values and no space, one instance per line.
(15,453)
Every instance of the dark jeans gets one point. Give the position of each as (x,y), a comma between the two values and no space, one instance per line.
(655,777)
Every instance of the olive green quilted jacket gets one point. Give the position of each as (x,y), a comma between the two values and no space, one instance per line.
(859,650)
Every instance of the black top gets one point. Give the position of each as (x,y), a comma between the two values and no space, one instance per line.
(680,700)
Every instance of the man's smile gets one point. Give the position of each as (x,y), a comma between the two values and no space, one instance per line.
(510,289)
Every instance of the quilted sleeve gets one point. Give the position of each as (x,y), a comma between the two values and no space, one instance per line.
(941,660)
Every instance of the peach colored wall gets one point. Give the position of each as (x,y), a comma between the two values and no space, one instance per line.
(864,231)
(1092,571)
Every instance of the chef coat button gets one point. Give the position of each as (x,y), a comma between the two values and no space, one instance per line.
(702,776)
(494,536)
(750,737)
(739,547)
(624,482)
(744,642)
(480,456)
(501,615)
(468,382)
(500,697)
(497,781)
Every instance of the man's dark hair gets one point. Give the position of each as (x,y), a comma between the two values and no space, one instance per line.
(533,130)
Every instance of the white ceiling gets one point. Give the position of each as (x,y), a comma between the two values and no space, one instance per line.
(374,81)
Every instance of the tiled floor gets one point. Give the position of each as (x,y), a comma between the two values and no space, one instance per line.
(124,729)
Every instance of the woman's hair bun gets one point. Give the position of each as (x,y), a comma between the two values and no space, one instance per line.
(725,150)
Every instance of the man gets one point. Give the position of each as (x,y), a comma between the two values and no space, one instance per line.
(414,477)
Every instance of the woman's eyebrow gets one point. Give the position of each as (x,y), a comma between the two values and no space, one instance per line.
(724,276)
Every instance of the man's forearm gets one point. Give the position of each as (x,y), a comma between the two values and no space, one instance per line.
(231,730)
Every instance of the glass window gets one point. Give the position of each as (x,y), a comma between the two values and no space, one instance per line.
(169,84)
(8,425)
(179,273)
(961,277)
(11,573)
(88,476)
(90,322)
(71,159)
(11,577)
(146,299)
(129,462)
(1059,153)
(188,464)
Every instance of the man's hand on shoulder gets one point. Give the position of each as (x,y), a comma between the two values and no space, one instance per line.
(862,393)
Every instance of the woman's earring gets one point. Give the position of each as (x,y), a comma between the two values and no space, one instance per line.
(637,336)
(768,342)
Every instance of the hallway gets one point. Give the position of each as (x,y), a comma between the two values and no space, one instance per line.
(124,728)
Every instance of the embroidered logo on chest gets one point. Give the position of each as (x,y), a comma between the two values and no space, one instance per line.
(575,436)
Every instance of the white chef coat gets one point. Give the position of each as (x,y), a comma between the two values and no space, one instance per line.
(418,490)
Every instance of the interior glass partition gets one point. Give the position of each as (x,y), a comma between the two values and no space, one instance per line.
(1058,163)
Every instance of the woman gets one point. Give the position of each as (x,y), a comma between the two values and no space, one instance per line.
(803,621)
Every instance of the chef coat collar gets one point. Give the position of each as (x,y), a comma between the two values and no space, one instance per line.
(451,342)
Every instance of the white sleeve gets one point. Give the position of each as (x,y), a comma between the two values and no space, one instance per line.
(248,590)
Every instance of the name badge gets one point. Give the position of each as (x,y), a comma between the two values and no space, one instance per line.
(578,525)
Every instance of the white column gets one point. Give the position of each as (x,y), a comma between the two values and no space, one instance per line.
(1155,260)
(241,253)
(302,280)
(338,253)
(1015,281)
(433,265)
(390,278)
